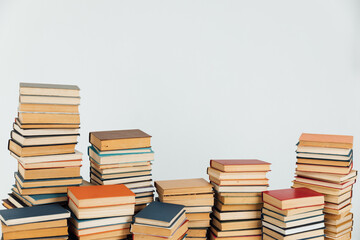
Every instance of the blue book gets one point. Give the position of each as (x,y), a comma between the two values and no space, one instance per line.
(160,214)
(42,213)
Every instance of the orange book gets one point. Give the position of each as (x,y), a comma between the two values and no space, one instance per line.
(325,140)
(101,195)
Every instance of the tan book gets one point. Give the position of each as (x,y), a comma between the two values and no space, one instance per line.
(7,204)
(52,108)
(120,139)
(237,215)
(341,211)
(232,233)
(237,207)
(176,236)
(339,228)
(193,202)
(239,200)
(326,140)
(236,225)
(121,169)
(183,186)
(43,140)
(303,235)
(199,224)
(198,216)
(46,125)
(88,231)
(335,222)
(40,190)
(37,233)
(33,226)
(197,232)
(46,118)
(329,177)
(243,182)
(31,151)
(118,165)
(49,100)
(45,132)
(49,172)
(335,235)
(285,218)
(240,165)
(235,175)
(110,235)
(48,182)
(343,185)
(294,223)
(336,216)
(186,197)
(294,211)
(54,164)
(45,89)
(321,189)
(339,205)
(240,194)
(323,162)
(253,237)
(323,169)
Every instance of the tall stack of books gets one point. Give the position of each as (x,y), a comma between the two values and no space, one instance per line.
(238,184)
(123,157)
(197,197)
(324,164)
(101,212)
(293,214)
(38,222)
(43,142)
(160,221)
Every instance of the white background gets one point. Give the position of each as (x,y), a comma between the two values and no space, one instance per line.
(207,79)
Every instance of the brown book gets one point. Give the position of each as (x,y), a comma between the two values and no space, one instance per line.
(191,202)
(183,186)
(33,226)
(236,215)
(30,151)
(240,194)
(294,211)
(325,140)
(321,189)
(46,118)
(245,237)
(324,162)
(110,235)
(94,230)
(212,172)
(41,190)
(47,173)
(181,231)
(197,232)
(347,217)
(239,200)
(120,139)
(325,184)
(37,233)
(285,218)
(46,125)
(329,177)
(198,216)
(240,233)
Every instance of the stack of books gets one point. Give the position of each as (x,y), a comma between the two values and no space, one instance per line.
(38,222)
(238,184)
(295,213)
(43,142)
(197,197)
(123,157)
(101,212)
(324,164)
(160,221)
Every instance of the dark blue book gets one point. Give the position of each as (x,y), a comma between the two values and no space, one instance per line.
(34,214)
(160,214)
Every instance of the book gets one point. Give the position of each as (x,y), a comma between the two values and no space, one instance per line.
(34,99)
(294,230)
(286,218)
(239,200)
(54,164)
(179,234)
(33,183)
(45,89)
(32,226)
(43,140)
(183,186)
(47,173)
(98,222)
(237,207)
(102,158)
(103,211)
(329,177)
(326,140)
(236,224)
(323,169)
(343,185)
(50,108)
(233,189)
(17,216)
(30,151)
(120,139)
(293,223)
(48,158)
(242,182)
(37,233)
(245,237)
(48,118)
(234,233)
(293,198)
(240,165)
(45,132)
(85,232)
(311,234)
(324,150)
(234,175)
(96,196)
(45,125)
(236,215)
(160,214)
(293,211)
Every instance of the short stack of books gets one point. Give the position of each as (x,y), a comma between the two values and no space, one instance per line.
(324,164)
(101,212)
(43,142)
(197,197)
(123,157)
(295,213)
(238,184)
(160,221)
(38,222)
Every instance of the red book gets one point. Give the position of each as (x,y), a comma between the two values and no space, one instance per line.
(291,198)
(240,165)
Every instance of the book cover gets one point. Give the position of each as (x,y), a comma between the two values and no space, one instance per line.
(159,211)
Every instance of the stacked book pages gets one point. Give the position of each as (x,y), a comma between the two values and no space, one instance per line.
(123,157)
(325,164)
(238,184)
(101,212)
(38,222)
(197,197)
(160,221)
(43,142)
(295,213)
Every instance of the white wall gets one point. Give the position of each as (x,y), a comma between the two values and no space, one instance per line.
(208,79)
